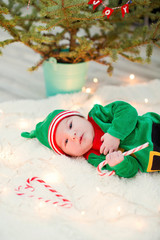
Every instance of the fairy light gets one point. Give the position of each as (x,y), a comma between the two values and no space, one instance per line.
(98,189)
(132,76)
(41,204)
(83,212)
(88,90)
(97,101)
(75,107)
(23,124)
(83,89)
(140,224)
(146,100)
(4,190)
(53,177)
(95,80)
(119,209)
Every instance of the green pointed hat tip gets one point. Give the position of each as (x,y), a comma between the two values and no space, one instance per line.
(32,134)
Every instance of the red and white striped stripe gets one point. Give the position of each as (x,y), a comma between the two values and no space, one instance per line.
(102,164)
(62,202)
(52,129)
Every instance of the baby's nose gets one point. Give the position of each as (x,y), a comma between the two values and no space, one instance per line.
(74,136)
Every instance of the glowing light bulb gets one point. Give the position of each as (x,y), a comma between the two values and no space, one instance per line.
(146,100)
(83,89)
(131,76)
(1,111)
(95,80)
(98,189)
(53,177)
(97,101)
(41,204)
(140,224)
(83,212)
(23,124)
(4,190)
(75,107)
(88,90)
(119,209)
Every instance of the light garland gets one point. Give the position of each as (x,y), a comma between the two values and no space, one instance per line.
(108,11)
(132,76)
(146,100)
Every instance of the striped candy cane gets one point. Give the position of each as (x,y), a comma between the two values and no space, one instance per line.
(102,164)
(63,202)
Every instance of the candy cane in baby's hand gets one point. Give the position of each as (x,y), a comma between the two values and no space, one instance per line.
(102,164)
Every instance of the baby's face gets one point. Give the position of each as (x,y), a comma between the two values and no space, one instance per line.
(74,135)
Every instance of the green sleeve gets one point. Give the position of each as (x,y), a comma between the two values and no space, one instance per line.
(127,168)
(95,160)
(118,118)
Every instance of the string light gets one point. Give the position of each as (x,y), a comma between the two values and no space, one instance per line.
(75,107)
(53,177)
(95,80)
(41,204)
(23,124)
(132,76)
(86,90)
(119,209)
(97,101)
(83,212)
(140,224)
(83,89)
(4,190)
(98,189)
(146,100)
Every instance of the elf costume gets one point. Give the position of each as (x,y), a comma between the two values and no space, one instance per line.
(120,120)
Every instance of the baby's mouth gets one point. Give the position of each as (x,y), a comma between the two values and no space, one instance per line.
(81,138)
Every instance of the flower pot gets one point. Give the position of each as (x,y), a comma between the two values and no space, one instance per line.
(64,77)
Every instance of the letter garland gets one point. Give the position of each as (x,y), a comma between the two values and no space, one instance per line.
(28,4)
(108,11)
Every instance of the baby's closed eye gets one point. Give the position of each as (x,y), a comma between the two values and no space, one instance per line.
(70,125)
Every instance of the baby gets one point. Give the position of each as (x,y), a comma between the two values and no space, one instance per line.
(108,131)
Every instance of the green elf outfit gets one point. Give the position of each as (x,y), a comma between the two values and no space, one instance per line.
(120,120)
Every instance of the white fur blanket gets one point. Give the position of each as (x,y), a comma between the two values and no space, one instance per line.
(104,208)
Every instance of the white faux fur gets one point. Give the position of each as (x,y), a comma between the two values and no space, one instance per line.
(104,208)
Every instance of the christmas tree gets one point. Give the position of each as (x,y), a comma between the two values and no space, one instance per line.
(72,32)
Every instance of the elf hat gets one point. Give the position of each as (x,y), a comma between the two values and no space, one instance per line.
(45,131)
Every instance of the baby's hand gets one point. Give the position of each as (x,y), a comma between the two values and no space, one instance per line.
(114,158)
(110,144)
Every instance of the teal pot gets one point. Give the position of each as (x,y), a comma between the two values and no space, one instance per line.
(64,77)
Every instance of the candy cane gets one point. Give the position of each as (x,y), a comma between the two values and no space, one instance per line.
(102,164)
(65,202)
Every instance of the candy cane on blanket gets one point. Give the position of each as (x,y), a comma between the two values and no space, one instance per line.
(102,164)
(62,202)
